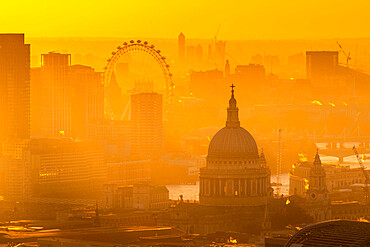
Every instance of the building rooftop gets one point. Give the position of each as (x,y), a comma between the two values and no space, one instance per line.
(333,233)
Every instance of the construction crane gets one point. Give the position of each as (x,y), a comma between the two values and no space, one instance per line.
(348,57)
(366,190)
(355,120)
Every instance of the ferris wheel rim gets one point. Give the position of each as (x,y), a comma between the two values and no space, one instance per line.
(138,46)
(148,49)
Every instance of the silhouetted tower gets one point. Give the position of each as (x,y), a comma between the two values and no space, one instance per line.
(210,53)
(114,94)
(147,124)
(318,202)
(181,46)
(227,69)
(87,98)
(56,95)
(199,54)
(320,65)
(220,54)
(317,177)
(14,87)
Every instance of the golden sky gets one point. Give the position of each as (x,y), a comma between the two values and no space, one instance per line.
(239,19)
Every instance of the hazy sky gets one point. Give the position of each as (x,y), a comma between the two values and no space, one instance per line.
(239,19)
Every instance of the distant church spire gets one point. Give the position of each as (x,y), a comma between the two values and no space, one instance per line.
(317,161)
(232,111)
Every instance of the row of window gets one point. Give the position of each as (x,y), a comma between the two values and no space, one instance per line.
(233,162)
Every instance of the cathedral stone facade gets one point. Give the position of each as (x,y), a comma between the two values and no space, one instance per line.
(235,175)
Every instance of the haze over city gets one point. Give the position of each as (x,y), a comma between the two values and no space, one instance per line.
(198,123)
(240,20)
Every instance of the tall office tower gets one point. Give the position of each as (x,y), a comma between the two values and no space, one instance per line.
(114,98)
(87,99)
(55,95)
(227,69)
(199,54)
(147,125)
(210,53)
(35,106)
(191,52)
(220,54)
(320,65)
(14,87)
(181,45)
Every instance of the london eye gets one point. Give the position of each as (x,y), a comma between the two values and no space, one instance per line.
(130,50)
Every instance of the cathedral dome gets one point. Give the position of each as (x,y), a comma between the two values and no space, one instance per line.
(233,141)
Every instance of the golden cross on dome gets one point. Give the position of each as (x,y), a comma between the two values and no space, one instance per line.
(232,88)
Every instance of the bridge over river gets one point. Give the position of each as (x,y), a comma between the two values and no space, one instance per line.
(342,152)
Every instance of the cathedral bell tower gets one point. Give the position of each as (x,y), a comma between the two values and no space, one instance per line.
(318,202)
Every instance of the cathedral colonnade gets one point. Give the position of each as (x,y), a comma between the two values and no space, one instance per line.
(234,186)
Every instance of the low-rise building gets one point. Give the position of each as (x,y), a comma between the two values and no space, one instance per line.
(58,168)
(138,196)
(332,233)
(128,219)
(352,210)
(128,171)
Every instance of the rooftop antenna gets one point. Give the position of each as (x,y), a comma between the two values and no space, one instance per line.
(278,163)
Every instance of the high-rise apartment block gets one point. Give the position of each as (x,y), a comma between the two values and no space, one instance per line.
(147,124)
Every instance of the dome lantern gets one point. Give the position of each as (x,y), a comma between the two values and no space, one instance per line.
(232,111)
(233,140)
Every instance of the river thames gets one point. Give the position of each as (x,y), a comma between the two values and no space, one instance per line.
(191,192)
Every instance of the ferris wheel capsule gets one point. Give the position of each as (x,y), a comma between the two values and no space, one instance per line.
(138,41)
(167,65)
(125,43)
(159,51)
(170,74)
(163,57)
(113,53)
(152,46)
(132,41)
(145,42)
(108,60)
(118,47)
